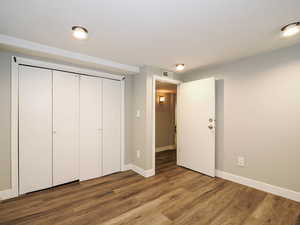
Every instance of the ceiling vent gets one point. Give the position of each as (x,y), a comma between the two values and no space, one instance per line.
(167,74)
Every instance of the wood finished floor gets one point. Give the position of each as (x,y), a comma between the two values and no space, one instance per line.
(174,196)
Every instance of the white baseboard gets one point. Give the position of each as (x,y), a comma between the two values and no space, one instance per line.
(286,193)
(6,194)
(144,173)
(127,167)
(164,148)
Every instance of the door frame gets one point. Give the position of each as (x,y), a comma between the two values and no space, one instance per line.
(14,149)
(166,80)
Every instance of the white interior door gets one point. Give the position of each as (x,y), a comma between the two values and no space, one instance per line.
(35,129)
(90,127)
(111,126)
(65,127)
(195,123)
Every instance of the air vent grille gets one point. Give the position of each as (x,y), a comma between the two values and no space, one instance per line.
(165,74)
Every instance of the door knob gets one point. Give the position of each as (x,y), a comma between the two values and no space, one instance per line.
(210,127)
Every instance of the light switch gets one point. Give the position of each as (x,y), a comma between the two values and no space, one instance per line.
(138,113)
(138,154)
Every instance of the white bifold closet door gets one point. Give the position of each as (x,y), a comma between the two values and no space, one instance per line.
(111,126)
(65,127)
(90,127)
(35,129)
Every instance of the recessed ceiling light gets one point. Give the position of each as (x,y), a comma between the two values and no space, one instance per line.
(180,67)
(291,29)
(79,32)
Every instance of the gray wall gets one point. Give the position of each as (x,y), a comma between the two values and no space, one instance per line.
(5,61)
(142,126)
(257,113)
(128,117)
(5,75)
(139,123)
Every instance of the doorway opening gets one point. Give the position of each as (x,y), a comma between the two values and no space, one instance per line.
(194,113)
(165,125)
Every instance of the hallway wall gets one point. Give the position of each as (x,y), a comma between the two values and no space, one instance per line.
(165,120)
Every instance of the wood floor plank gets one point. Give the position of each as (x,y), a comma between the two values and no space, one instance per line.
(241,207)
(210,204)
(139,214)
(290,214)
(69,200)
(274,210)
(298,220)
(193,200)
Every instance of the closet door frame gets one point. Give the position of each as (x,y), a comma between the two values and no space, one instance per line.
(15,62)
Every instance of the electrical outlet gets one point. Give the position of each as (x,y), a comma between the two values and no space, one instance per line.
(138,154)
(241,161)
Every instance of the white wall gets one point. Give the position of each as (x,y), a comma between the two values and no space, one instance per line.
(258,108)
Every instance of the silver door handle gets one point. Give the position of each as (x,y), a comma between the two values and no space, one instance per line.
(210,127)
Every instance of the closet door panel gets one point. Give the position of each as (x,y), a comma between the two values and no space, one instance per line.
(90,127)
(35,129)
(65,127)
(111,126)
